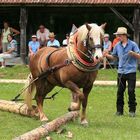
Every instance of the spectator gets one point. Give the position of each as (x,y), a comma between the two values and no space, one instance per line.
(33,45)
(126,51)
(11,50)
(0,45)
(43,35)
(66,41)
(52,41)
(7,30)
(115,41)
(107,46)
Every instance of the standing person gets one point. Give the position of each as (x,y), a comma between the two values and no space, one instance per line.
(43,35)
(127,52)
(11,50)
(7,30)
(33,45)
(107,46)
(115,41)
(66,41)
(0,45)
(52,41)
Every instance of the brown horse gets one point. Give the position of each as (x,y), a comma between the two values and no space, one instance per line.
(73,67)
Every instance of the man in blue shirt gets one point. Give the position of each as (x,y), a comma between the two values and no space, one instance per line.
(52,41)
(127,53)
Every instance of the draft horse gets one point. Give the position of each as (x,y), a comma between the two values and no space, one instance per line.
(73,67)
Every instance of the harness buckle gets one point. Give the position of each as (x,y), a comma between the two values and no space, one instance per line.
(67,61)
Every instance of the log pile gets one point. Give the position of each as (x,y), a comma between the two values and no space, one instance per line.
(44,130)
(18,108)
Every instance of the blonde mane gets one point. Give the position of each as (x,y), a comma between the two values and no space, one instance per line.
(82,31)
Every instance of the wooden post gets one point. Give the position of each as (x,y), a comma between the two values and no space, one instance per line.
(23,23)
(122,18)
(44,130)
(51,22)
(136,24)
(18,108)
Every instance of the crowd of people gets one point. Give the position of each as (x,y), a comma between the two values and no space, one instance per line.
(43,37)
(8,45)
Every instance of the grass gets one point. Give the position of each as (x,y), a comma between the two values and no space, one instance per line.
(21,72)
(103,124)
(15,72)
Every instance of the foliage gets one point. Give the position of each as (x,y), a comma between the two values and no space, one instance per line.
(103,124)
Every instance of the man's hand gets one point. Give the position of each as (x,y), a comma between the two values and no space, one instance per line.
(134,54)
(131,53)
(105,53)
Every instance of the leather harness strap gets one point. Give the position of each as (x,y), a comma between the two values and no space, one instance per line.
(77,61)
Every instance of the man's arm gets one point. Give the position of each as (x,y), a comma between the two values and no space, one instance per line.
(10,51)
(134,54)
(109,56)
(15,31)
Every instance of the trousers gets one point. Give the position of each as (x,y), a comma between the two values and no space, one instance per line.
(121,82)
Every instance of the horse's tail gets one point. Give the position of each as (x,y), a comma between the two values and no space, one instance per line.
(29,89)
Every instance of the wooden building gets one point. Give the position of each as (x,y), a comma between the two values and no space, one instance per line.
(59,15)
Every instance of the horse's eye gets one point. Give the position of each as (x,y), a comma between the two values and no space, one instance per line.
(91,38)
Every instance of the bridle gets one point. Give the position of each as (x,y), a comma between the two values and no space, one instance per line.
(89,48)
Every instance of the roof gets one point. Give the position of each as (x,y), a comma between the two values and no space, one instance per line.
(60,2)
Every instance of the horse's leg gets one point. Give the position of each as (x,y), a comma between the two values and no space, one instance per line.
(77,95)
(74,102)
(86,91)
(42,90)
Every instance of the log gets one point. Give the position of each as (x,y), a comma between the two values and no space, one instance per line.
(18,108)
(44,130)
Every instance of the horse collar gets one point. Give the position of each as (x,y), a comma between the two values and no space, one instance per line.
(80,63)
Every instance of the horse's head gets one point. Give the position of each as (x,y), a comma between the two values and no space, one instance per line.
(91,36)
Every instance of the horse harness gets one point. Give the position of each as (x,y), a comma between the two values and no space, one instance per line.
(77,61)
(53,68)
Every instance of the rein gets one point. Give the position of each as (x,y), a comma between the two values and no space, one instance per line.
(42,75)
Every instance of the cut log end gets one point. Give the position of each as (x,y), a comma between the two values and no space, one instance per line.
(18,108)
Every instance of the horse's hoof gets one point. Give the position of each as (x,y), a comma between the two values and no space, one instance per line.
(74,106)
(84,123)
(44,119)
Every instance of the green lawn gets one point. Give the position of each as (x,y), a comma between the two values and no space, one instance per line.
(15,72)
(103,124)
(21,72)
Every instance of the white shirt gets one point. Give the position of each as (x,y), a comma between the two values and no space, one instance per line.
(43,36)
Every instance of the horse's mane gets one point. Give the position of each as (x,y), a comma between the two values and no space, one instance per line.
(82,30)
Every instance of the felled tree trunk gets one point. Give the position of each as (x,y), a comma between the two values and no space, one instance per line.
(44,130)
(18,108)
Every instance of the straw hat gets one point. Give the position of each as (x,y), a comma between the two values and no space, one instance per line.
(106,35)
(121,31)
(51,34)
(34,36)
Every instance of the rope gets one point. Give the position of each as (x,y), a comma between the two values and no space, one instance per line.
(49,97)
(50,70)
(23,89)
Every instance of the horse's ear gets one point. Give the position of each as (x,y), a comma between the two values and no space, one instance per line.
(103,25)
(74,28)
(88,26)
